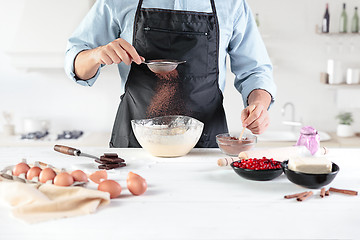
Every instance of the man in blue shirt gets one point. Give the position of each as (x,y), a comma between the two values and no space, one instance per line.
(201,33)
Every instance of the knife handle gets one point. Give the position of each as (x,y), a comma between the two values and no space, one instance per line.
(67,150)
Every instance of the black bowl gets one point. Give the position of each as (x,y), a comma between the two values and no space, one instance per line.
(310,180)
(257,175)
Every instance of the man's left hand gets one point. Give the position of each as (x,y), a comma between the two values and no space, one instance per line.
(257,120)
(256,117)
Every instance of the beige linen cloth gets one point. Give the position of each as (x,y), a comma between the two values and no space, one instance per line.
(36,203)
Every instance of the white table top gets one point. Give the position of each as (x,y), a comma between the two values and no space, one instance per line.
(191,197)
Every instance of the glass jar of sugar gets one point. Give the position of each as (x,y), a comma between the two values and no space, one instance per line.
(309,138)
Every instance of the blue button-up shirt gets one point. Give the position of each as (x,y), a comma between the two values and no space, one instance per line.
(239,37)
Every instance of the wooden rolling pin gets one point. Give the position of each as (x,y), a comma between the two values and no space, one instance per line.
(278,154)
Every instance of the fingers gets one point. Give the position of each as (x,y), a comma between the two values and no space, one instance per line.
(130,50)
(250,114)
(118,51)
(257,120)
(122,54)
(260,125)
(114,56)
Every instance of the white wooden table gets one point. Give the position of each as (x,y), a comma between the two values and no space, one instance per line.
(192,198)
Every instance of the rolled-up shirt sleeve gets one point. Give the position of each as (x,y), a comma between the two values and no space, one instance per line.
(96,29)
(249,59)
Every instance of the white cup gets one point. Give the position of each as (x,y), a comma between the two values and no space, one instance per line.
(353,76)
(35,125)
(334,69)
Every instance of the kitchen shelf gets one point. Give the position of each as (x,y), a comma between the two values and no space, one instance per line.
(343,86)
(340,34)
(336,34)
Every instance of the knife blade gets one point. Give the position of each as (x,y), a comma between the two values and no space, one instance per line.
(73,151)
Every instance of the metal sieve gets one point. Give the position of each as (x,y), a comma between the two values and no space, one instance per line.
(162,65)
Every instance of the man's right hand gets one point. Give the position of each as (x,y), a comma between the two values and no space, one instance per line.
(88,62)
(116,52)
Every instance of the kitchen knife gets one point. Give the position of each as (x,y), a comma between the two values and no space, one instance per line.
(72,151)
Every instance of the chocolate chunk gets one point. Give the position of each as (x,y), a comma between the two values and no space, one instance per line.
(106,162)
(98,161)
(102,166)
(109,161)
(111,166)
(111,155)
(112,160)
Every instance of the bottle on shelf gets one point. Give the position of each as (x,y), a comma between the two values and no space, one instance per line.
(355,22)
(257,20)
(343,20)
(326,21)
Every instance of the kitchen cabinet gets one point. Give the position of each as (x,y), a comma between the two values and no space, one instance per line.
(190,197)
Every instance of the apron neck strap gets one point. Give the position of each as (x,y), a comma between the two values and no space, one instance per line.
(211,1)
(139,6)
(213,6)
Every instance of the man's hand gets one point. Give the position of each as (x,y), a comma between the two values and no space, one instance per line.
(88,62)
(116,52)
(257,121)
(256,117)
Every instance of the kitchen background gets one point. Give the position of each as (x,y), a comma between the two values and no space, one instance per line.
(34,85)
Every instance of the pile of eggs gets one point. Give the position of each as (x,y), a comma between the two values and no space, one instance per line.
(48,175)
(135,183)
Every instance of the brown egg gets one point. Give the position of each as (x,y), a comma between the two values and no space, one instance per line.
(33,172)
(98,176)
(20,168)
(63,179)
(79,176)
(111,187)
(136,184)
(46,175)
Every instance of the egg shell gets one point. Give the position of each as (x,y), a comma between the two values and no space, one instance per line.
(111,187)
(63,179)
(33,172)
(79,176)
(46,175)
(136,184)
(98,176)
(20,168)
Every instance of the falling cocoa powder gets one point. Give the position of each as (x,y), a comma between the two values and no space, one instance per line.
(168,98)
(168,75)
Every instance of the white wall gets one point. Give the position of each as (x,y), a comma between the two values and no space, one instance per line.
(299,55)
(288,27)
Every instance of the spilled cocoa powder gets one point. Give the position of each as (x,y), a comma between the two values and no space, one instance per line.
(168,98)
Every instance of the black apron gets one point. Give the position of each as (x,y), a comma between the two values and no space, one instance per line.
(181,35)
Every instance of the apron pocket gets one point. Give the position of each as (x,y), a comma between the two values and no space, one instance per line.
(179,45)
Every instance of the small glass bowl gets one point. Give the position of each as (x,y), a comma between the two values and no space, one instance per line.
(232,146)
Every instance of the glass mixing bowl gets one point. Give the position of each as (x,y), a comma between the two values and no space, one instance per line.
(168,136)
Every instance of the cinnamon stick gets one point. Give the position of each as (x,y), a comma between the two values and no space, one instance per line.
(327,193)
(322,192)
(296,195)
(304,197)
(343,191)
